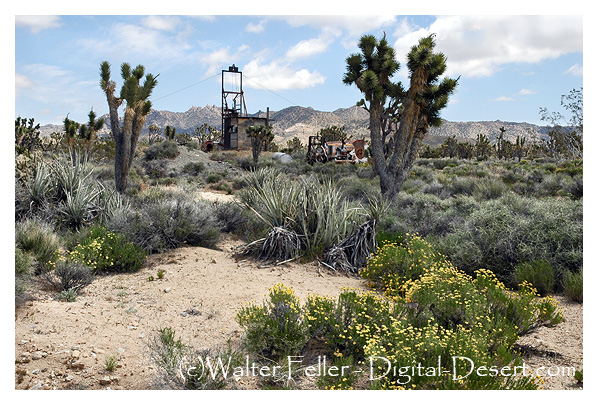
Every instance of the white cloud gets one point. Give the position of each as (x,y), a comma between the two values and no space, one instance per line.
(161,23)
(503,99)
(526,92)
(22,83)
(278,75)
(478,46)
(38,23)
(354,25)
(59,88)
(222,58)
(255,28)
(575,70)
(313,46)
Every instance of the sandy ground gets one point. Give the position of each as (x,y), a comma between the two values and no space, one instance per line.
(64,345)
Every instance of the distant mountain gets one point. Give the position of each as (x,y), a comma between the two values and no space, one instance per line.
(302,122)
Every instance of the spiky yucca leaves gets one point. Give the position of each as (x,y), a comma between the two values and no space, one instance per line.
(314,211)
(137,107)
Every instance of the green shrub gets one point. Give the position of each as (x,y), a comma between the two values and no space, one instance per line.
(23,262)
(37,237)
(539,273)
(103,250)
(158,225)
(213,177)
(68,276)
(193,168)
(488,189)
(182,367)
(162,150)
(69,295)
(573,286)
(274,329)
(231,217)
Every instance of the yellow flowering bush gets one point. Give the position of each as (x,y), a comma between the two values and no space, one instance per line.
(103,250)
(399,260)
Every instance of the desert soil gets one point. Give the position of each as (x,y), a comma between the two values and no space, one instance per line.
(62,345)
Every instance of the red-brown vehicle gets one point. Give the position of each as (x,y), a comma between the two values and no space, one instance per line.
(320,150)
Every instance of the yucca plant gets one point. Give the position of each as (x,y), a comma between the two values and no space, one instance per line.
(41,185)
(314,211)
(70,172)
(80,207)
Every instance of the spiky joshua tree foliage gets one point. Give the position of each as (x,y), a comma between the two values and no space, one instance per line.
(136,109)
(399,118)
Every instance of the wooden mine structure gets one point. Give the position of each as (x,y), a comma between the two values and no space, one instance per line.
(234,114)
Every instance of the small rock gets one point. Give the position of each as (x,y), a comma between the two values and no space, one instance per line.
(184,314)
(76,354)
(68,378)
(25,354)
(78,365)
(35,371)
(75,348)
(22,342)
(37,355)
(105,381)
(141,335)
(166,290)
(36,386)
(214,261)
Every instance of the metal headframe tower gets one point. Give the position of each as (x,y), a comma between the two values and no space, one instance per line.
(233,105)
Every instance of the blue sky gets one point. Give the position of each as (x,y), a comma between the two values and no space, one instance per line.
(510,66)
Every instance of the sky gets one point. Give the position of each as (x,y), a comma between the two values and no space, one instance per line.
(509,65)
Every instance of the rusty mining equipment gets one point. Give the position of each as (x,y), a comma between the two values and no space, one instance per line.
(321,150)
(235,118)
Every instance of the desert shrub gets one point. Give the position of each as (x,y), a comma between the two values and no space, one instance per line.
(463,186)
(68,276)
(395,263)
(502,233)
(193,145)
(552,185)
(274,329)
(24,262)
(193,168)
(213,177)
(488,189)
(573,287)
(103,250)
(69,295)
(155,169)
(575,188)
(161,225)
(539,273)
(231,217)
(37,237)
(162,150)
(182,367)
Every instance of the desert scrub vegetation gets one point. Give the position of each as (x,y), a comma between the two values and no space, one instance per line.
(159,220)
(106,251)
(162,150)
(431,316)
(310,216)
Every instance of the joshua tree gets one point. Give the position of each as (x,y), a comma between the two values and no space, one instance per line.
(518,148)
(261,136)
(565,141)
(333,133)
(27,135)
(153,133)
(449,147)
(70,133)
(136,109)
(482,145)
(89,132)
(170,132)
(405,116)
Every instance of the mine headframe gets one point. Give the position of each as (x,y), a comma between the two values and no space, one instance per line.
(233,106)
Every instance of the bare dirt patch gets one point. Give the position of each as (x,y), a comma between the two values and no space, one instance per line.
(61,344)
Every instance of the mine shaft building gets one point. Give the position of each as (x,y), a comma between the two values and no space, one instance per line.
(235,118)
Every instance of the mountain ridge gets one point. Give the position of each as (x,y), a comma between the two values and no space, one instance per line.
(301,122)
